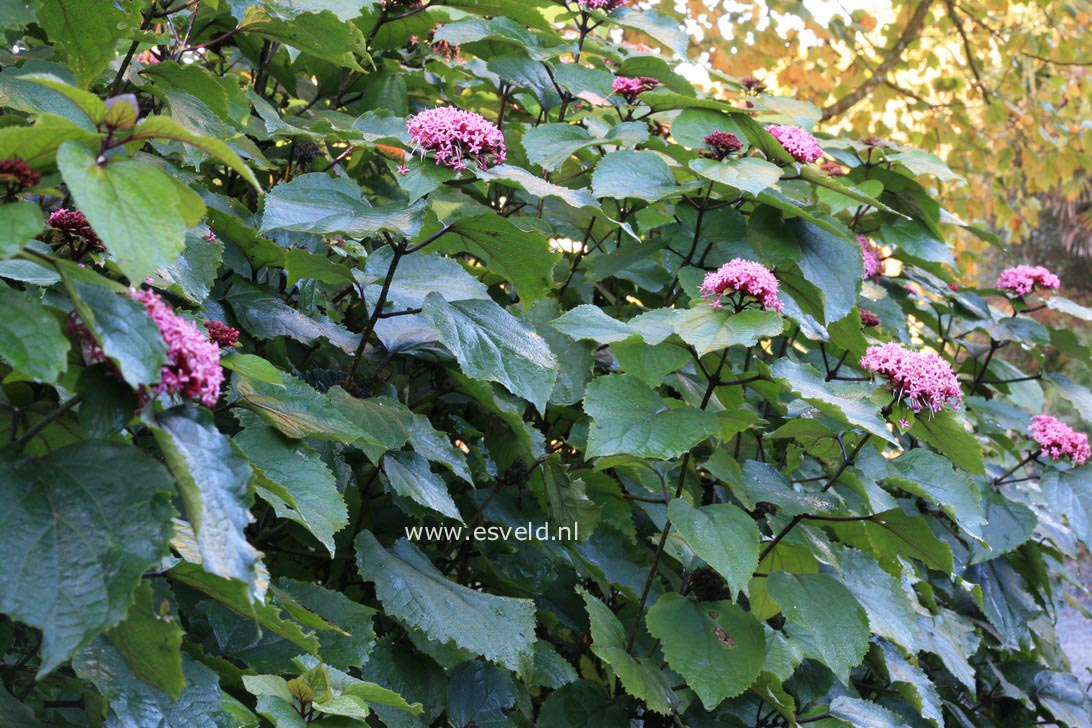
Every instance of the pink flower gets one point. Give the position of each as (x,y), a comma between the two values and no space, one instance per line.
(1023,279)
(454,135)
(723,143)
(630,87)
(953,287)
(1058,440)
(868,318)
(873,258)
(744,277)
(904,424)
(922,378)
(73,223)
(604,5)
(193,362)
(801,145)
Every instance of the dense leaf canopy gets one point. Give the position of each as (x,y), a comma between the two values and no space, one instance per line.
(461,363)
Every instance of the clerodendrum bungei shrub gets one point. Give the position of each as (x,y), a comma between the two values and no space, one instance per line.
(456,363)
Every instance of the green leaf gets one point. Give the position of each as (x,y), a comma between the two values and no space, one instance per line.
(549,145)
(236,596)
(914,685)
(748,174)
(214,482)
(1069,494)
(820,178)
(409,475)
(722,535)
(1064,696)
(864,713)
(301,265)
(1008,524)
(134,703)
(342,651)
(628,418)
(37,145)
(521,256)
(417,276)
(565,499)
(655,25)
(150,642)
(296,409)
(717,646)
(316,203)
(713,329)
(589,322)
(641,677)
(1063,304)
(253,367)
(164,127)
(501,629)
(19,222)
(884,599)
(947,432)
(479,694)
(536,186)
(31,340)
(322,35)
(493,345)
(830,614)
(79,527)
(893,534)
(827,260)
(582,704)
(628,174)
(847,402)
(192,274)
(650,364)
(139,211)
(1078,395)
(84,32)
(266,315)
(126,333)
(929,475)
(292,477)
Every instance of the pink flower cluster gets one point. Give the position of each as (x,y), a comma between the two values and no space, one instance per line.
(1023,279)
(873,258)
(604,5)
(454,136)
(629,87)
(744,277)
(801,145)
(1059,440)
(921,378)
(193,362)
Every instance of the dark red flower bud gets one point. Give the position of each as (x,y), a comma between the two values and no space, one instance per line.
(868,318)
(752,85)
(723,143)
(832,169)
(17,175)
(73,224)
(224,336)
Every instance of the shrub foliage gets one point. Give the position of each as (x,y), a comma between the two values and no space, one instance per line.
(286,285)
